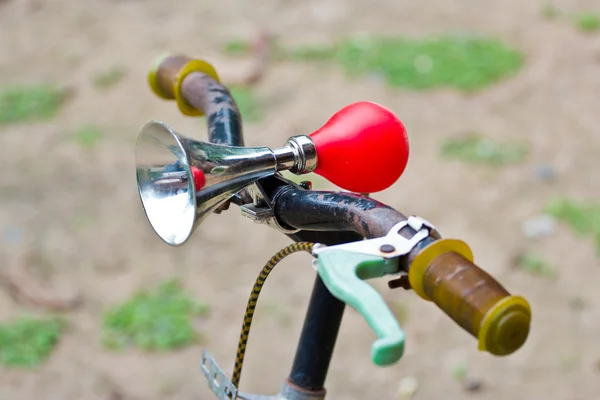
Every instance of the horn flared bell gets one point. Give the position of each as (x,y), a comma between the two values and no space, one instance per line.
(181,181)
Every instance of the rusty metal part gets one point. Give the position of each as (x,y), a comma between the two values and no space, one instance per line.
(289,391)
(331,211)
(462,290)
(401,282)
(202,92)
(224,121)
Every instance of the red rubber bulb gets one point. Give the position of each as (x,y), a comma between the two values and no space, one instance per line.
(199,178)
(362,148)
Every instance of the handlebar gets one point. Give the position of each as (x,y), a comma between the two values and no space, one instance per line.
(439,270)
(195,86)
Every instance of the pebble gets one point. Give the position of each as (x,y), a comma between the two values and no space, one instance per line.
(408,388)
(473,384)
(539,226)
(577,303)
(545,173)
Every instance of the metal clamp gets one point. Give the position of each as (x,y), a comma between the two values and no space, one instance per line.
(261,210)
(218,382)
(391,245)
(418,223)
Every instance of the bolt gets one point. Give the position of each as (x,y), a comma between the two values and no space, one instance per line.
(306,185)
(401,282)
(387,248)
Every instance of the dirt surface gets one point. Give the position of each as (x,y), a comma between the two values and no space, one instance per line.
(78,211)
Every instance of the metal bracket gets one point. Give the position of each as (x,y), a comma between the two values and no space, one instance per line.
(391,245)
(289,391)
(418,223)
(261,210)
(217,380)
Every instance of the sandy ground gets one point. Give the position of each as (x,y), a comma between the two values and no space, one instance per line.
(79,212)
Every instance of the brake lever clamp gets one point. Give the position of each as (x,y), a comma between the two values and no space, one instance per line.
(392,245)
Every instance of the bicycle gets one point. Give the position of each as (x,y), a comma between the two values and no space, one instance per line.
(363,149)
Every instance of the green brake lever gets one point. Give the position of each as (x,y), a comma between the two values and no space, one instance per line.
(343,269)
(342,272)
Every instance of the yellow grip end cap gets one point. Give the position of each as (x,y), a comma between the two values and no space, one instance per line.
(505,327)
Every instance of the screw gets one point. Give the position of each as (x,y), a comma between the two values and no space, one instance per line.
(401,282)
(387,248)
(306,185)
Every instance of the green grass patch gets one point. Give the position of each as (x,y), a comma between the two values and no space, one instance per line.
(459,371)
(247,103)
(30,103)
(109,78)
(462,62)
(584,219)
(479,149)
(28,341)
(88,136)
(237,47)
(534,264)
(465,63)
(309,53)
(154,320)
(587,22)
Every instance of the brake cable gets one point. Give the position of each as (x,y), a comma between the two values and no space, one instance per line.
(258,284)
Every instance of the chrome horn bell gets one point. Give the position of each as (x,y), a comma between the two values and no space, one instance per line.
(181,180)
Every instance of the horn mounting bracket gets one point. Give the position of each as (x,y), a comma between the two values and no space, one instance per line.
(260,210)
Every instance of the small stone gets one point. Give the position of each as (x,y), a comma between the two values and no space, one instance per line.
(408,388)
(473,384)
(576,303)
(545,173)
(539,226)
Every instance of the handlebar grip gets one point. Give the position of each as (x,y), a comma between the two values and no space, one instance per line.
(166,81)
(444,273)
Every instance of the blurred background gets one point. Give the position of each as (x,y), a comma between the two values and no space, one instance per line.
(500,100)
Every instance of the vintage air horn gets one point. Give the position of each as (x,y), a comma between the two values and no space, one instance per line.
(362,148)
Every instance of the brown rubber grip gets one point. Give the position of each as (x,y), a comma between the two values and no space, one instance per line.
(167,71)
(478,303)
